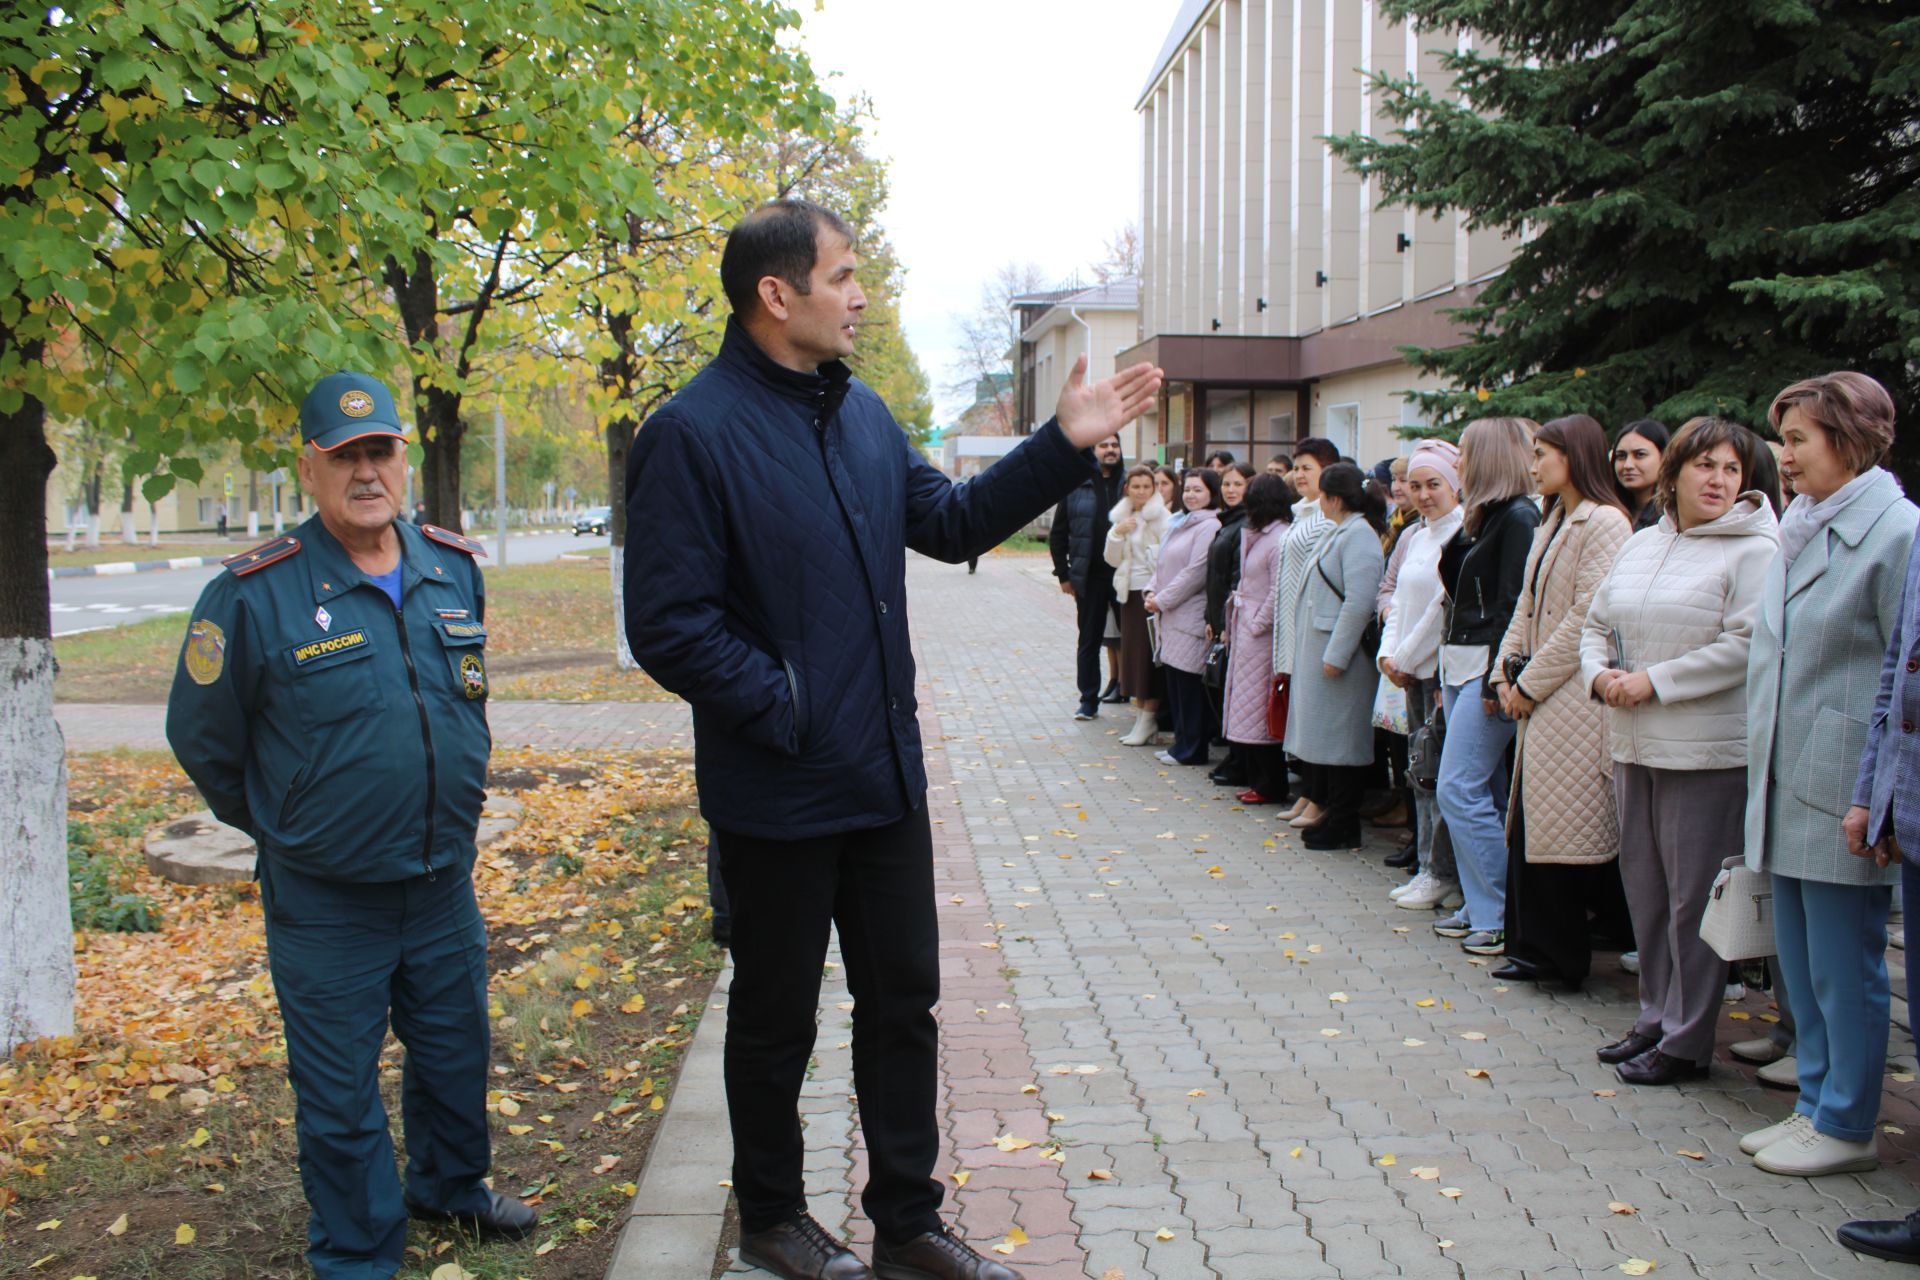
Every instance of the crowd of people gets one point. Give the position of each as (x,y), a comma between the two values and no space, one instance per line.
(1561,662)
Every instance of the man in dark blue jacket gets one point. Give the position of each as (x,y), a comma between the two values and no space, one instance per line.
(773,599)
(1078,542)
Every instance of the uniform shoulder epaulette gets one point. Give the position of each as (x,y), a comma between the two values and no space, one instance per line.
(269,552)
(458,541)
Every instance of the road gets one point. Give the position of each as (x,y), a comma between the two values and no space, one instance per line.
(94,602)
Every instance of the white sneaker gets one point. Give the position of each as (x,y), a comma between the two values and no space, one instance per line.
(1454,899)
(1782,1073)
(1438,893)
(1759,1052)
(1736,991)
(1164,757)
(1630,961)
(1810,1153)
(1760,1139)
(1419,881)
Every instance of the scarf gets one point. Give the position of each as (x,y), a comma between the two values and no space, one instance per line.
(1805,518)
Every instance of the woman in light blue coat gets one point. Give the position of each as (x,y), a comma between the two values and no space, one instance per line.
(1831,602)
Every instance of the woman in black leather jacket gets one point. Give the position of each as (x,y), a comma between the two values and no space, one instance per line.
(1483,570)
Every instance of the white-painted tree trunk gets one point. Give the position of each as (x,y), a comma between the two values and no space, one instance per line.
(36,922)
(621,653)
(153,525)
(129,525)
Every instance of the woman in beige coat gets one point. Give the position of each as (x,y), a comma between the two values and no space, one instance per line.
(1562,835)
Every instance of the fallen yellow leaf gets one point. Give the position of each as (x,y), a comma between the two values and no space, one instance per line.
(1694,1155)
(1100,1175)
(1637,1266)
(451,1271)
(1451,1193)
(1388,1160)
(1412,1043)
(1620,1207)
(519,1129)
(199,1139)
(1295,1153)
(1423,1004)
(1163,1234)
(960,1177)
(184,1234)
(1473,1035)
(1427,1173)
(1007,1142)
(50,1224)
(508,1107)
(1605,1093)
(1338,997)
(1478,1073)
(119,1227)
(1329,1032)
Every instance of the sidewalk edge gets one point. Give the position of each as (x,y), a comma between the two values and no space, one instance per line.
(673,1226)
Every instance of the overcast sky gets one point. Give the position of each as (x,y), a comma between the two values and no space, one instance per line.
(1010,136)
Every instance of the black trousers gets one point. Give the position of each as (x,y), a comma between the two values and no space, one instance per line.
(1548,906)
(875,887)
(1095,606)
(1187,694)
(1336,788)
(1266,769)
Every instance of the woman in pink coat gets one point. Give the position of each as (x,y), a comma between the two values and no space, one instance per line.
(1178,597)
(1269,506)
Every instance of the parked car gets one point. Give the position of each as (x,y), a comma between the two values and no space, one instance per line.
(592,520)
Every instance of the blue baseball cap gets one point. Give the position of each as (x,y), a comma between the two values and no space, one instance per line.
(348,406)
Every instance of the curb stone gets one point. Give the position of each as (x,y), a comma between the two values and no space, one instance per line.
(674,1222)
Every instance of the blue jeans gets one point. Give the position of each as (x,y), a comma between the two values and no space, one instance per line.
(1473,801)
(1833,958)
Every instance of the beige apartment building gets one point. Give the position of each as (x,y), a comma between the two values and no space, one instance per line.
(1056,328)
(1272,291)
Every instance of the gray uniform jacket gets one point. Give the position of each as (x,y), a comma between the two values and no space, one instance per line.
(1812,674)
(1330,718)
(1888,783)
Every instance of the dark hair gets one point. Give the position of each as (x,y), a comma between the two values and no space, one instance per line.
(1220,455)
(1171,473)
(1246,469)
(1650,429)
(1345,481)
(1702,435)
(1321,450)
(1269,498)
(1582,441)
(1210,478)
(1284,459)
(780,238)
(1141,469)
(1759,469)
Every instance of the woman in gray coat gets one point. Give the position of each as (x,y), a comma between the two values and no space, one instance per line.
(1831,602)
(1330,713)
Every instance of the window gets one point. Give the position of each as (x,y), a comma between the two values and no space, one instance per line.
(1343,428)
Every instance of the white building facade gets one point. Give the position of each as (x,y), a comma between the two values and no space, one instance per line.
(1273,293)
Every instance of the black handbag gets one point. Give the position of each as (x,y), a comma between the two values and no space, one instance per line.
(1424,745)
(1213,672)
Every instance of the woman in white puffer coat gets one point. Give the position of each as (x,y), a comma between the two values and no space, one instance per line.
(1665,647)
(1137,527)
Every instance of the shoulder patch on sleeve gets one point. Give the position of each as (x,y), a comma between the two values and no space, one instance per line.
(269,552)
(448,538)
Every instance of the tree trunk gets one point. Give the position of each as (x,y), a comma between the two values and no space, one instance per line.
(36,928)
(92,488)
(436,410)
(129,531)
(619,441)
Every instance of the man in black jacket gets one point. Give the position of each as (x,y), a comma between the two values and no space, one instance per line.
(1078,540)
(773,599)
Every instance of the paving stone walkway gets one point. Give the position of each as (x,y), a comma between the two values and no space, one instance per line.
(1244,1063)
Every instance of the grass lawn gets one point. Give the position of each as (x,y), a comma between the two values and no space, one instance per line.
(158,1141)
(116,551)
(550,637)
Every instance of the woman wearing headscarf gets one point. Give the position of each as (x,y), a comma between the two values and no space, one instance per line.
(1830,607)
(1562,836)
(1268,505)
(1330,717)
(1665,646)
(1311,457)
(1415,620)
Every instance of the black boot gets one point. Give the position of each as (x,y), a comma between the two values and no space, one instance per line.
(1403,857)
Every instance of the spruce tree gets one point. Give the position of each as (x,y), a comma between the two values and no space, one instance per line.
(1716,197)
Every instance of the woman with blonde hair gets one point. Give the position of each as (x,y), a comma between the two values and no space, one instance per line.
(1138,525)
(1483,570)
(1562,837)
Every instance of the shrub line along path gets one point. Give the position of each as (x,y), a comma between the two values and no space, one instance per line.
(1143,980)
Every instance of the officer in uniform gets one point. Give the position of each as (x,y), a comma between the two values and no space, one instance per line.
(330,701)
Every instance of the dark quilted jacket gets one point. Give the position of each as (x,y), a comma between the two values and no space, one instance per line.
(769,590)
(1223,566)
(1078,537)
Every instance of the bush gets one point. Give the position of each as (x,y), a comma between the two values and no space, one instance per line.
(93,881)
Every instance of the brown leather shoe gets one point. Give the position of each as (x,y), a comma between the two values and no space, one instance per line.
(935,1255)
(801,1249)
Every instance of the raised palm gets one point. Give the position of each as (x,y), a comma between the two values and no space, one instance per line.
(1091,413)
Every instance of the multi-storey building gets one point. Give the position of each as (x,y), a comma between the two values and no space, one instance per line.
(1273,292)
(1057,327)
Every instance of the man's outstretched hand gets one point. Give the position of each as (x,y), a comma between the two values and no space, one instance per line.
(1089,414)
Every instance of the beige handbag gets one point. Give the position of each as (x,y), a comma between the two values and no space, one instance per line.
(1738,923)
